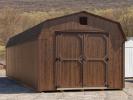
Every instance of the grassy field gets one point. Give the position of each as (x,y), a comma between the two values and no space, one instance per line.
(46,5)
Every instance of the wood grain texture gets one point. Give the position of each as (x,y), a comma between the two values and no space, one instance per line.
(22,62)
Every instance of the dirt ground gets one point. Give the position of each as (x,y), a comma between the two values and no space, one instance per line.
(11,90)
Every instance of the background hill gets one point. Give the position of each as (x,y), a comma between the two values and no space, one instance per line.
(45,5)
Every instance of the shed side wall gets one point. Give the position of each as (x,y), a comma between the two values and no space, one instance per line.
(22,62)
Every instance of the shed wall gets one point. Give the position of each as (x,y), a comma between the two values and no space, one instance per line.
(115,69)
(22,62)
(129,58)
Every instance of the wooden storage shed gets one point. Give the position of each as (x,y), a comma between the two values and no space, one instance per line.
(76,51)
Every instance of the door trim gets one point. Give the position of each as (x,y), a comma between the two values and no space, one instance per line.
(83,88)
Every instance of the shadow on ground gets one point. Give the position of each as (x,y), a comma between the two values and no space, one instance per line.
(129,80)
(9,86)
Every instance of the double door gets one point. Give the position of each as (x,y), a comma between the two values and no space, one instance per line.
(81,60)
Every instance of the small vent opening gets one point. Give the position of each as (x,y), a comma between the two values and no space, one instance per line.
(83,21)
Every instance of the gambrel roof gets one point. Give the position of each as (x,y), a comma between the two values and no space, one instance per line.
(34,32)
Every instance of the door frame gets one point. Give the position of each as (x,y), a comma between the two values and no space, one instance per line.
(80,32)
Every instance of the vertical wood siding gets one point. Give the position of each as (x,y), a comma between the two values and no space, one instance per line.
(22,63)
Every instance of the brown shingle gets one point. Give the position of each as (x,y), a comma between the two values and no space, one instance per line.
(27,35)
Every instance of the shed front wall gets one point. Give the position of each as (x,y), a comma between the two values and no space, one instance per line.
(22,62)
(71,23)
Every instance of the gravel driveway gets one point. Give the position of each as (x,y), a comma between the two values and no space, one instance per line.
(10,90)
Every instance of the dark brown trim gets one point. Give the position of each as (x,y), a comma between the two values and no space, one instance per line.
(76,32)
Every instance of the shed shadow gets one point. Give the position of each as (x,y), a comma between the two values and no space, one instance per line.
(129,80)
(9,86)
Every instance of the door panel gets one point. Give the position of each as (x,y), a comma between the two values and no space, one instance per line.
(94,74)
(68,74)
(94,65)
(81,60)
(68,67)
(68,46)
(95,46)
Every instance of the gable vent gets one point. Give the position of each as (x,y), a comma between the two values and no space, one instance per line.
(83,20)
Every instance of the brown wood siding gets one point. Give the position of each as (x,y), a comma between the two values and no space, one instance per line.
(22,62)
(46,76)
(72,24)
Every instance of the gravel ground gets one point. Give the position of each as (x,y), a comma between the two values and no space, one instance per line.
(10,90)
